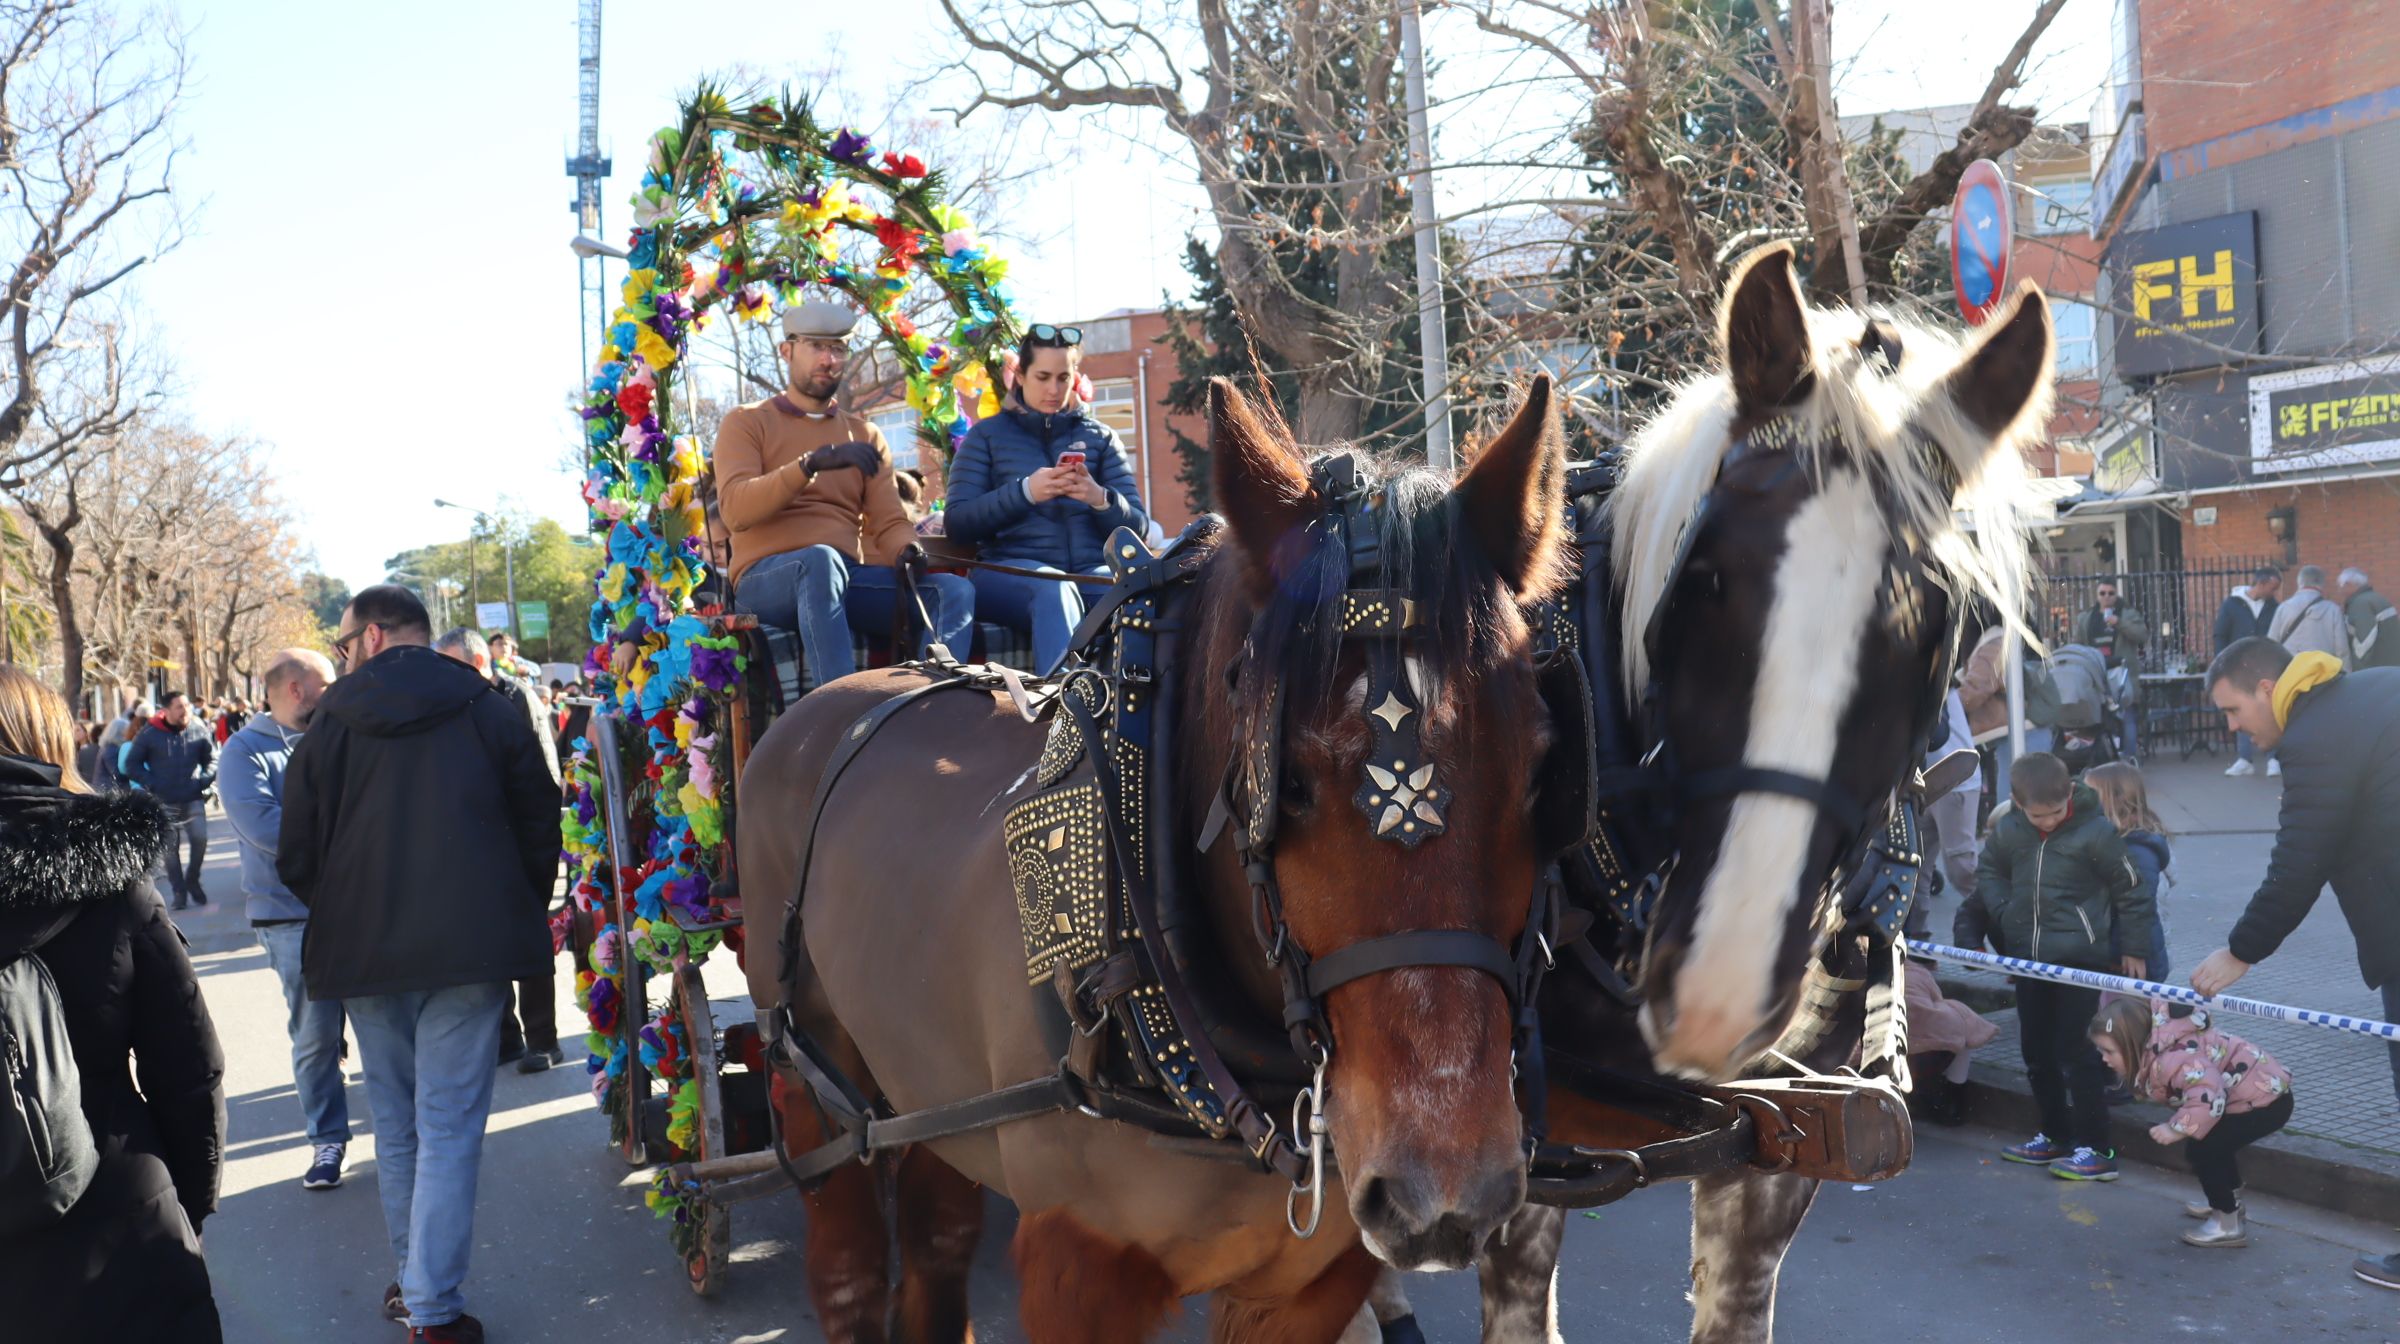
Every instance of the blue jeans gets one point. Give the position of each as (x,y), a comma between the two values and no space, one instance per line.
(2131,716)
(428,1056)
(2391,1013)
(316,1032)
(1046,609)
(190,823)
(818,593)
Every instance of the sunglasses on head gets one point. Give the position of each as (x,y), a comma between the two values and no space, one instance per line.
(1042,333)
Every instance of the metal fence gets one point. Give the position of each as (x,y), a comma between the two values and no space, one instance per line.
(2181,607)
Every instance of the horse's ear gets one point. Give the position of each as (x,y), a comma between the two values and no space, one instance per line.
(1261,485)
(2004,380)
(1764,330)
(1510,498)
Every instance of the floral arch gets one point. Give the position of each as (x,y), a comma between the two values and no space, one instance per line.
(740,209)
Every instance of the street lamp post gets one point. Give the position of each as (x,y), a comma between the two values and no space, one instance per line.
(508,558)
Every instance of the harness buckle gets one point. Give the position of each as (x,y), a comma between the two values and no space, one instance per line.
(1641,1169)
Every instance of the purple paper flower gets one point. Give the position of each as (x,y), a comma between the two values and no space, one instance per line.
(850,147)
(713,668)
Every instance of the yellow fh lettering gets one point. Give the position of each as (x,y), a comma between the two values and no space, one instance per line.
(2218,282)
(2150,282)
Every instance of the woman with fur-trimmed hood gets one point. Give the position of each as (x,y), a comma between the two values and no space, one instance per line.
(123,1264)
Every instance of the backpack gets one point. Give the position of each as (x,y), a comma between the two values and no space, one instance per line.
(47,1156)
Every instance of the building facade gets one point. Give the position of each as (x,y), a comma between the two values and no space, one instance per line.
(2245,195)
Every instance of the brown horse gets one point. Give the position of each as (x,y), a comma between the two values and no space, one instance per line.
(914,976)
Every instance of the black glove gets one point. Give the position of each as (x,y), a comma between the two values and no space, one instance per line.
(860,456)
(914,555)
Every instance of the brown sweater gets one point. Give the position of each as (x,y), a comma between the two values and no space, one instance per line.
(772,506)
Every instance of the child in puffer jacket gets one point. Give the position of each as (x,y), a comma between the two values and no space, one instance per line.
(2227,1094)
(2126,800)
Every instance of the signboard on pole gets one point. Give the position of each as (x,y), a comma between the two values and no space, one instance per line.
(2185,296)
(533,620)
(491,615)
(1983,230)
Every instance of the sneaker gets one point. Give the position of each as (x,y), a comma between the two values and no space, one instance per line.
(2219,1230)
(199,897)
(2086,1164)
(2274,768)
(464,1330)
(2039,1151)
(2381,1270)
(539,1060)
(2240,768)
(511,1051)
(325,1171)
(395,1308)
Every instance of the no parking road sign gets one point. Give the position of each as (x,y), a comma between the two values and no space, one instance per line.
(1982,227)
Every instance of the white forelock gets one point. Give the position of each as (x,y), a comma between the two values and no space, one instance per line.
(1974,539)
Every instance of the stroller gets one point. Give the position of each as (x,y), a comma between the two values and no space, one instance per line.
(2088,717)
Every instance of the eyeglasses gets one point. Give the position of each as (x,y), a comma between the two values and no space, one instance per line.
(341,646)
(1042,333)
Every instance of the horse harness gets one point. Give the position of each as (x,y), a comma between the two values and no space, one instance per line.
(1101,884)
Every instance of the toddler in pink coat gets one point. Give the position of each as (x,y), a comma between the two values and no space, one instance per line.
(2227,1094)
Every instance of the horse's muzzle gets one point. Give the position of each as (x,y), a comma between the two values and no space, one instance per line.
(1410,1225)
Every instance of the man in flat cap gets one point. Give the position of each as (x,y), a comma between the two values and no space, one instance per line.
(807,490)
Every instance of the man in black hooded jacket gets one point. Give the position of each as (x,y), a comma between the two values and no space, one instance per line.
(420,827)
(2338,735)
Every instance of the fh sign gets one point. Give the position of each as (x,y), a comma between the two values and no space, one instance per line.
(2186,296)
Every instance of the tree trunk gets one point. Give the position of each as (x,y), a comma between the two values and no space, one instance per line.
(70,626)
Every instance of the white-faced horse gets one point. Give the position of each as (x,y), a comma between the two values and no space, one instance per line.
(1791,568)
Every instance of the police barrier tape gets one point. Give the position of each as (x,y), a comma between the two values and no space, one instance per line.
(2224,1003)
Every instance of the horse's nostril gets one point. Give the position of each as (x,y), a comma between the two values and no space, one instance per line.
(1376,1207)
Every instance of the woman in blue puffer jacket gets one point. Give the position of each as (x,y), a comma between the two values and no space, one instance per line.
(1041,485)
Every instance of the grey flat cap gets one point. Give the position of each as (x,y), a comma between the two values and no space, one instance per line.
(820,319)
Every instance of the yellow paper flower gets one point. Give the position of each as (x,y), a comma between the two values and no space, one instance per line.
(653,348)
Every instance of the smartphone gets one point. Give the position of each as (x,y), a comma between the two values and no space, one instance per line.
(1072,460)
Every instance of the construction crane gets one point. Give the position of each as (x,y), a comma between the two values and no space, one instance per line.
(588,168)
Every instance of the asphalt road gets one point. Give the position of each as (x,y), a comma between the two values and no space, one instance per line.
(1963,1248)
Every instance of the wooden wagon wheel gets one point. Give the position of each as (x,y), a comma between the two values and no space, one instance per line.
(712,1241)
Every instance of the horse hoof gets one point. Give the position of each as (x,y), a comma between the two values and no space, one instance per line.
(1403,1330)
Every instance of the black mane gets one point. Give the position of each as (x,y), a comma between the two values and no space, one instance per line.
(1426,555)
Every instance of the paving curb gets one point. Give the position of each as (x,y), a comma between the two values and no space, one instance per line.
(2337,1177)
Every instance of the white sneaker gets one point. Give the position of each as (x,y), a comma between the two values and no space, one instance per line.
(2274,768)
(2241,768)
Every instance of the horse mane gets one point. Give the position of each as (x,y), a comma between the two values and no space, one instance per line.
(1882,422)
(1470,617)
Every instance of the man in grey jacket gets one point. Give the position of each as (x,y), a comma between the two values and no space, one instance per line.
(2309,621)
(250,780)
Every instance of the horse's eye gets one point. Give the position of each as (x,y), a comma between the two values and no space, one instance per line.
(1293,794)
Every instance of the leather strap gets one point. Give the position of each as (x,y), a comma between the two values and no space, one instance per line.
(1838,807)
(1440,947)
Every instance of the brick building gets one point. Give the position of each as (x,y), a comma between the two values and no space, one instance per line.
(2246,198)
(1126,355)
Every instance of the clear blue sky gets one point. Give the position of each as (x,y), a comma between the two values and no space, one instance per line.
(378,287)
